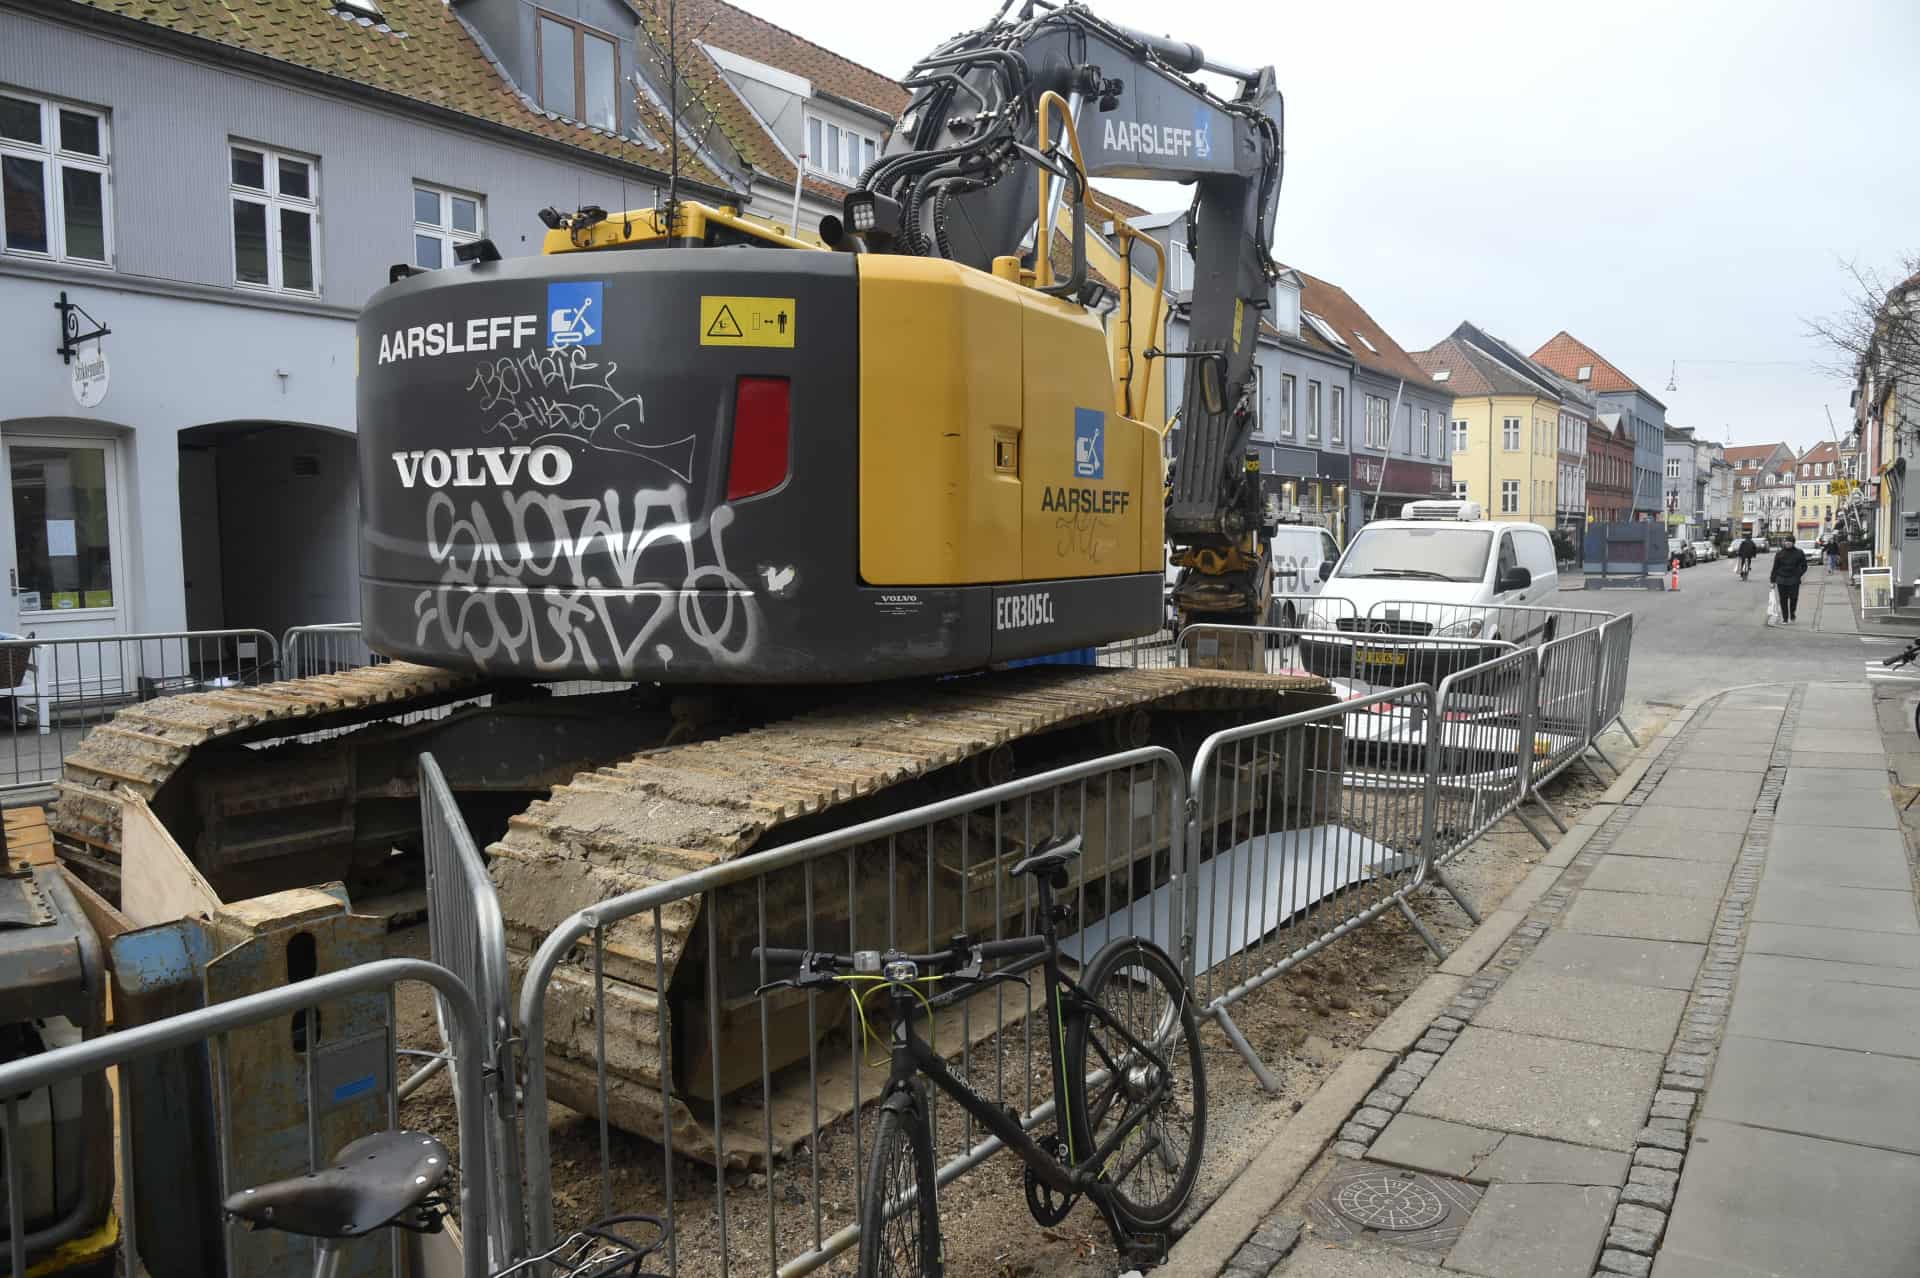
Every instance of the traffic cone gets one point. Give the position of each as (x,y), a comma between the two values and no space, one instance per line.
(1675,583)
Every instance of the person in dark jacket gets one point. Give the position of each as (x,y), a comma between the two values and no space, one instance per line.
(1789,566)
(1747,551)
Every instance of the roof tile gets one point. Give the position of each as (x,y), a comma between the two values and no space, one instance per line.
(1566,354)
(1347,317)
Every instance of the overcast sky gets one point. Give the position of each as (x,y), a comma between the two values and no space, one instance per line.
(1670,182)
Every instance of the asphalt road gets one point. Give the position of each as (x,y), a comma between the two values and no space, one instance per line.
(1710,634)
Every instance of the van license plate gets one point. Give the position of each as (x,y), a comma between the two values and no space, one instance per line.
(1382,657)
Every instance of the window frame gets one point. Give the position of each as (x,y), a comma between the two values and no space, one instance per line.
(445,232)
(1313,411)
(581,33)
(274,202)
(1509,496)
(848,146)
(1378,430)
(55,159)
(1458,437)
(1289,389)
(1336,416)
(1509,434)
(117,529)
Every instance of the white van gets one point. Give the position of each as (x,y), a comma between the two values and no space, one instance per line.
(1442,570)
(1298,552)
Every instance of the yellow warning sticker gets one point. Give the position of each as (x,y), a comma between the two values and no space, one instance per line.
(1239,316)
(746,321)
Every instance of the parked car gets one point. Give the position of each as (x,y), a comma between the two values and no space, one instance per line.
(1681,550)
(1809,546)
(1705,552)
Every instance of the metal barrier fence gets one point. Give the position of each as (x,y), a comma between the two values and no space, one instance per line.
(55,690)
(1479,755)
(211,1025)
(1517,623)
(1616,651)
(1566,682)
(324,649)
(794,1115)
(469,939)
(1288,855)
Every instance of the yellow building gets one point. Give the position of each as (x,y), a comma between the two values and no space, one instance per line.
(1504,436)
(1814,501)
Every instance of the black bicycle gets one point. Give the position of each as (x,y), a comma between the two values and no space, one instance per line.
(1128,1081)
(1906,657)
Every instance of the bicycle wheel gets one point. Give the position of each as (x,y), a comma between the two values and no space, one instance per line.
(1146,1003)
(900,1219)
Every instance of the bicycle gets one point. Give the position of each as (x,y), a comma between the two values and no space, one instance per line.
(391,1180)
(1133,1127)
(1907,657)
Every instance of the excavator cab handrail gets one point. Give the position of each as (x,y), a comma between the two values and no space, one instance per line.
(1128,236)
(1043,226)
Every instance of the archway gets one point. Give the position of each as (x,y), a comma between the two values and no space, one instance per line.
(269,525)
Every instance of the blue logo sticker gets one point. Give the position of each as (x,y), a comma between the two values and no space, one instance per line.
(357,1087)
(1202,133)
(1089,444)
(574,314)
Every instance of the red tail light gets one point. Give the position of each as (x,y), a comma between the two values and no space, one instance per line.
(760,437)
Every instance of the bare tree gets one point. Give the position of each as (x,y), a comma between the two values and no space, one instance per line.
(1877,335)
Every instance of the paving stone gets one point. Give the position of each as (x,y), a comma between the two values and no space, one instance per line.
(1654,876)
(1858,1097)
(1414,1059)
(1449,1023)
(1653,1176)
(1635,914)
(1634,1240)
(1662,1138)
(1664,1159)
(1349,1149)
(1431,1145)
(1343,1262)
(1528,1160)
(1682,1081)
(1582,1093)
(1277,1234)
(1534,1231)
(1592,1011)
(1644,1219)
(1433,1043)
(1370,1117)
(1255,1257)
(1614,1261)
(1379,1099)
(1668,1124)
(1356,1133)
(1664,964)
(1671,1113)
(1400,1083)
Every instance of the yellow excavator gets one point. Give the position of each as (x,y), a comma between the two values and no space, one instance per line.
(688,536)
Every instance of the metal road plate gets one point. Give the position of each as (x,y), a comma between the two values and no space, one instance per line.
(1389,1205)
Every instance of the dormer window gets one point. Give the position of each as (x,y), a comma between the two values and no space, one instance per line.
(837,151)
(579,73)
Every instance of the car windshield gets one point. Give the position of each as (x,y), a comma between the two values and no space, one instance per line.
(1434,554)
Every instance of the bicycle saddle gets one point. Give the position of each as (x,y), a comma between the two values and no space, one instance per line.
(1050,856)
(372,1181)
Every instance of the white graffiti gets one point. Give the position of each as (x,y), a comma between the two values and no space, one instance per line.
(541,395)
(609,585)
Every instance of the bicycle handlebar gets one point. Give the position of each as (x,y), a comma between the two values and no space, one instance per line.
(960,955)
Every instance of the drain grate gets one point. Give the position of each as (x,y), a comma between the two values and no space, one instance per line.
(1404,1208)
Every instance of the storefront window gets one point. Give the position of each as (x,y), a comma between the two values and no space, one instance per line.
(60,533)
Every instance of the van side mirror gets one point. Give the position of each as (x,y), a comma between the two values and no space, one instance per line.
(1326,569)
(1513,579)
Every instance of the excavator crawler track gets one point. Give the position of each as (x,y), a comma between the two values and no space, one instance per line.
(664,812)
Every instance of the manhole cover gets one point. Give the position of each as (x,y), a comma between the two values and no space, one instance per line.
(1405,1209)
(1386,1200)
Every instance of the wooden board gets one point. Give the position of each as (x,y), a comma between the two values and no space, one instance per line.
(158,884)
(28,837)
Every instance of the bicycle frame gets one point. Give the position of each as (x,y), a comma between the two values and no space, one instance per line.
(1079,1174)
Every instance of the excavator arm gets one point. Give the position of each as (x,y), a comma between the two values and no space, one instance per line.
(971,174)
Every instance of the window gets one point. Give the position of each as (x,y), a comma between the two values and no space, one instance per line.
(1426,428)
(1673,468)
(1259,389)
(1286,404)
(579,73)
(1313,410)
(1179,261)
(1460,437)
(1509,496)
(1406,420)
(839,152)
(1377,410)
(1510,434)
(441,220)
(1337,419)
(1459,490)
(275,200)
(62,529)
(54,182)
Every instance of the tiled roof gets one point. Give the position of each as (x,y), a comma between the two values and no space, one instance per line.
(1346,317)
(422,52)
(1536,377)
(1469,372)
(716,23)
(1824,451)
(1756,453)
(1566,354)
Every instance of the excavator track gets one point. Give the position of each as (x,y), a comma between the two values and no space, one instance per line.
(665,812)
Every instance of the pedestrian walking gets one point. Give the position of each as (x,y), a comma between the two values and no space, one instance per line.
(1789,566)
(1747,552)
